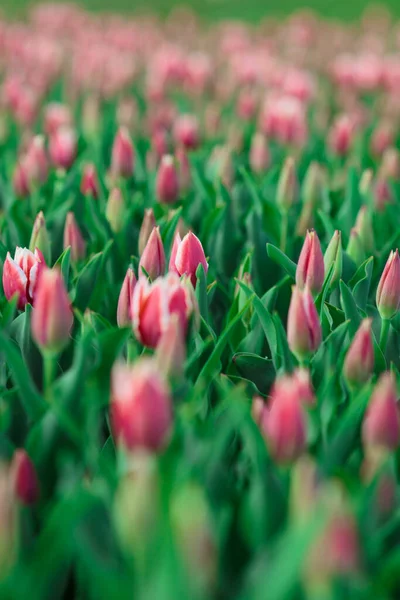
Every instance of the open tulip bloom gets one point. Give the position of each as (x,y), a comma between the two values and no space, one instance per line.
(199,308)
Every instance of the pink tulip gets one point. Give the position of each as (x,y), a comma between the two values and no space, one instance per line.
(122,156)
(141,408)
(52,317)
(21,275)
(154,303)
(153,257)
(124,309)
(24,476)
(310,268)
(73,238)
(186,256)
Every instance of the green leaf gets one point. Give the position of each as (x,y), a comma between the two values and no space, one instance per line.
(282,260)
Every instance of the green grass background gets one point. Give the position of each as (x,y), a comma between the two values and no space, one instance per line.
(252,10)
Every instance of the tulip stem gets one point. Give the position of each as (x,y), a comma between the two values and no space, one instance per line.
(49,373)
(284,230)
(385,328)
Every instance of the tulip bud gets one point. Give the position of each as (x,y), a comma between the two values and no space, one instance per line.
(355,248)
(194,535)
(153,257)
(381,426)
(24,477)
(73,238)
(115,210)
(52,318)
(153,304)
(189,254)
(171,349)
(21,275)
(141,408)
(184,174)
(186,131)
(148,224)
(124,309)
(122,155)
(40,237)
(63,147)
(284,426)
(167,183)
(388,292)
(334,256)
(359,361)
(259,158)
(310,268)
(364,229)
(90,182)
(303,325)
(287,185)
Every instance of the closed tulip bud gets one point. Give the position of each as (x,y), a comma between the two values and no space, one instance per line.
(115,210)
(52,318)
(355,248)
(21,275)
(153,257)
(303,326)
(40,238)
(259,157)
(90,182)
(124,309)
(381,426)
(284,426)
(122,155)
(63,148)
(153,304)
(148,224)
(310,268)
(73,238)
(184,174)
(194,535)
(141,407)
(189,254)
(186,131)
(24,476)
(363,227)
(167,182)
(287,185)
(388,292)
(359,361)
(334,256)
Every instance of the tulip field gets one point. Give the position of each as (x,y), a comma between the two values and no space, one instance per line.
(199,307)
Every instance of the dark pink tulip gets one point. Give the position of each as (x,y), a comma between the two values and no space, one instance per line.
(310,268)
(154,303)
(141,407)
(186,131)
(359,362)
(388,292)
(63,147)
(122,156)
(167,182)
(124,309)
(73,238)
(24,476)
(153,257)
(381,426)
(52,317)
(21,275)
(186,256)
(303,325)
(90,181)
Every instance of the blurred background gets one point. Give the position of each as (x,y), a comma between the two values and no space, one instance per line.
(251,10)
